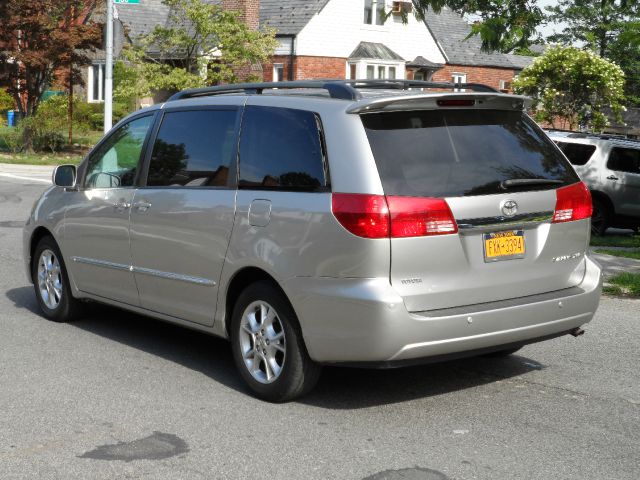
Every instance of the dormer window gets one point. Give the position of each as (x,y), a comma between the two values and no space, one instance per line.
(374,12)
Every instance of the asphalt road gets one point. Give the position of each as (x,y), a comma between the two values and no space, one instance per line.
(118,396)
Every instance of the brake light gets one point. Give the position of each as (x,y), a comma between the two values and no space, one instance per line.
(456,102)
(419,217)
(377,216)
(363,215)
(573,203)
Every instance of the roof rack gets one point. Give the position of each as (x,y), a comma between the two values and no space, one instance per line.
(601,136)
(340,89)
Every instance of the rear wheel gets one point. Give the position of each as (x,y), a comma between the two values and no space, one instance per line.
(267,344)
(601,217)
(51,283)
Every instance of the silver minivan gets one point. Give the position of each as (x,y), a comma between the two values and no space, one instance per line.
(364,223)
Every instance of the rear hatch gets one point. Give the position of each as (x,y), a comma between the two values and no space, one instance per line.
(502,180)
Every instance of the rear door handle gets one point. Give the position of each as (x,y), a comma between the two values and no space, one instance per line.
(612,177)
(121,206)
(142,206)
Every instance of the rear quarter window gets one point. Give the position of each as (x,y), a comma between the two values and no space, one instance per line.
(577,153)
(450,153)
(281,149)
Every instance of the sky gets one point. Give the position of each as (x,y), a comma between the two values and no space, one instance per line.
(546,30)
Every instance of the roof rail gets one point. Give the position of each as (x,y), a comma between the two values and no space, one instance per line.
(340,89)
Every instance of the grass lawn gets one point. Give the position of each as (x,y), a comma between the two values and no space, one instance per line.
(630,241)
(627,284)
(40,158)
(635,254)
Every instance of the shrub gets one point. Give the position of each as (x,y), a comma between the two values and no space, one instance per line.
(6,104)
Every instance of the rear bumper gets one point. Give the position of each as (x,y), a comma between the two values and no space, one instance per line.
(365,320)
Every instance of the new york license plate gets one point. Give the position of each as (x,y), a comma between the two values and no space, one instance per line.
(505,245)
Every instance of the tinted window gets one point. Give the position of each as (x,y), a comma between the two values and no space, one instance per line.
(577,153)
(281,148)
(624,160)
(461,152)
(193,149)
(115,162)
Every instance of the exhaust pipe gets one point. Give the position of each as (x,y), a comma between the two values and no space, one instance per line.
(576,332)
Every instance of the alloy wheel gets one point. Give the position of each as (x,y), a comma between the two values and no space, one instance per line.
(49,279)
(262,342)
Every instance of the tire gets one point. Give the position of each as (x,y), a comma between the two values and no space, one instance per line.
(503,353)
(601,217)
(269,351)
(51,283)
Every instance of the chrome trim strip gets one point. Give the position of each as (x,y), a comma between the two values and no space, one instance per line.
(505,222)
(146,271)
(175,276)
(101,263)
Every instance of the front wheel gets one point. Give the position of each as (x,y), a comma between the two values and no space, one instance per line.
(51,283)
(267,345)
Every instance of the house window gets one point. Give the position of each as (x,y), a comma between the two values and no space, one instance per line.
(392,73)
(459,78)
(371,72)
(382,72)
(374,12)
(278,72)
(95,83)
(353,69)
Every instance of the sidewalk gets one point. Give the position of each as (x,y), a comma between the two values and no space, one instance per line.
(614,265)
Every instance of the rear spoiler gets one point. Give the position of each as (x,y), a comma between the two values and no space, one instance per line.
(432,101)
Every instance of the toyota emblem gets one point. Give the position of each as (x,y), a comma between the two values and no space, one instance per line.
(509,208)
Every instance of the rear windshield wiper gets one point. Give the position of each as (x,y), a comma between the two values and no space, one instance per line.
(523,182)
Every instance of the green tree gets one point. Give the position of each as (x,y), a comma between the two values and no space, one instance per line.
(625,51)
(504,25)
(573,85)
(609,27)
(201,44)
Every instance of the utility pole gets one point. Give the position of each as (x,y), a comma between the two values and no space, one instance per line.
(108,71)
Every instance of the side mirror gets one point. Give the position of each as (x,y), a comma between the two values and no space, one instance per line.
(65,176)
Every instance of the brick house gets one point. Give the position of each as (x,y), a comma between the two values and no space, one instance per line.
(352,39)
(339,39)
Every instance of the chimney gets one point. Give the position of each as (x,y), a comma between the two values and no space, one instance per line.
(249,11)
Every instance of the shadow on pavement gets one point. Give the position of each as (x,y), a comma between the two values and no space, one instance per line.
(338,388)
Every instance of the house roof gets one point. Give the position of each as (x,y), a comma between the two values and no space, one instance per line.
(422,62)
(450,31)
(379,51)
(289,17)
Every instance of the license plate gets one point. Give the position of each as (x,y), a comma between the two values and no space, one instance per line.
(505,245)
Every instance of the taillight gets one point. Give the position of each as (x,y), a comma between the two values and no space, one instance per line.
(377,216)
(572,203)
(419,217)
(363,215)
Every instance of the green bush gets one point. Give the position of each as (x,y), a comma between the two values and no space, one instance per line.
(6,104)
(11,139)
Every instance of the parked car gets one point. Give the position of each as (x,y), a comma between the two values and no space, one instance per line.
(325,222)
(610,166)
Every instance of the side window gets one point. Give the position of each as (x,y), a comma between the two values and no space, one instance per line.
(624,160)
(194,148)
(115,163)
(281,148)
(577,153)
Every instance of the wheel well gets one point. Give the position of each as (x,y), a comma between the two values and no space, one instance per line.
(604,198)
(241,280)
(38,234)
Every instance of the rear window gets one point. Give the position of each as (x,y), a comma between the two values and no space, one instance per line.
(461,152)
(577,153)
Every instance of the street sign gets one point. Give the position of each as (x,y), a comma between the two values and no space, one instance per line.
(127,1)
